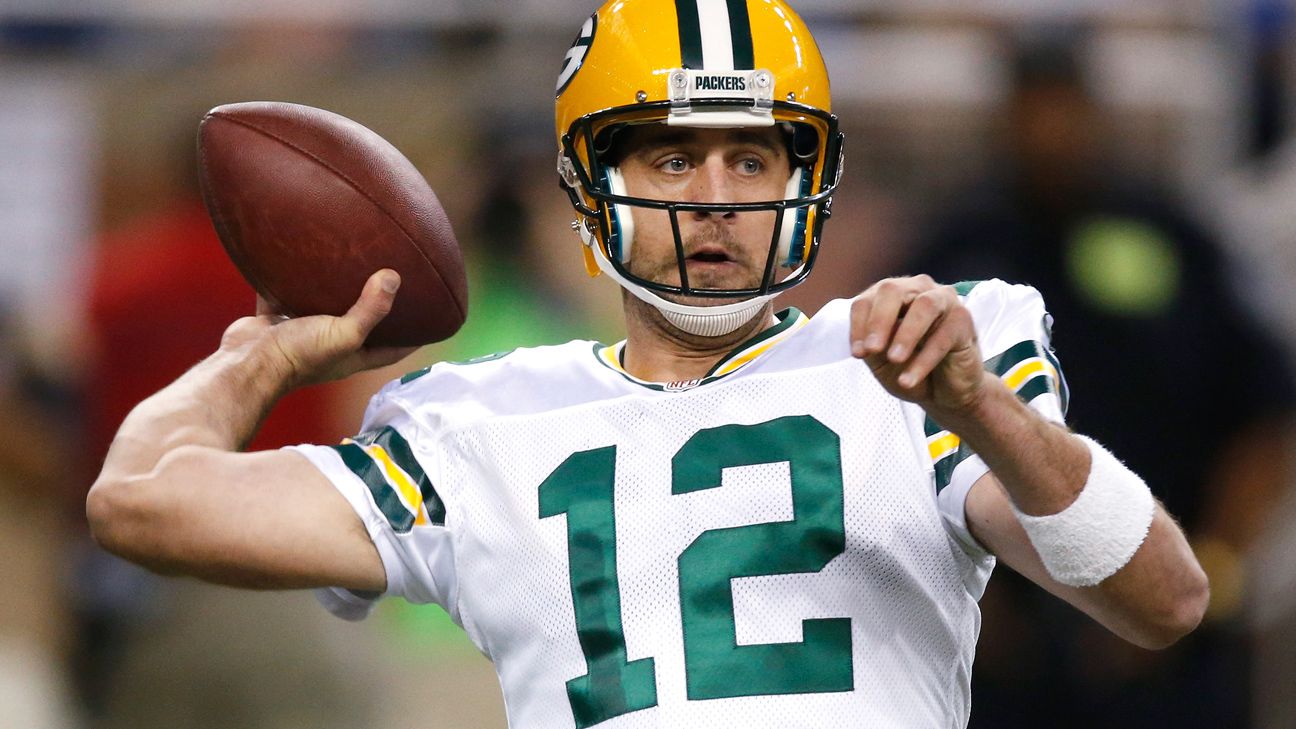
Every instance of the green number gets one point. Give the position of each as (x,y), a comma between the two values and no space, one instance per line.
(715,665)
(581,488)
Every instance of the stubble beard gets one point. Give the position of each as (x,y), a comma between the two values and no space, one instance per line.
(666,269)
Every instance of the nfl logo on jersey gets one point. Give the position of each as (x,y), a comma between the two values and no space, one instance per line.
(682,385)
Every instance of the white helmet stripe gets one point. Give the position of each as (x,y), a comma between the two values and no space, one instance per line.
(715,35)
(717,41)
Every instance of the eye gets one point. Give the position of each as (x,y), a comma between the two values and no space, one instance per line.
(751,166)
(675,165)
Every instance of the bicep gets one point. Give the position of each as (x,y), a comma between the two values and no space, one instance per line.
(265,520)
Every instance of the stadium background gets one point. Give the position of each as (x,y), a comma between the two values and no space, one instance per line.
(107,280)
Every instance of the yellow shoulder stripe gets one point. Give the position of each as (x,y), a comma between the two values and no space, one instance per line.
(1026,370)
(401,480)
(942,444)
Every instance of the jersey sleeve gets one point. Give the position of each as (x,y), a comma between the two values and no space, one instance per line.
(1014,332)
(386,473)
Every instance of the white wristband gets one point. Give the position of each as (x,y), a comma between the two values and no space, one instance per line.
(1096,535)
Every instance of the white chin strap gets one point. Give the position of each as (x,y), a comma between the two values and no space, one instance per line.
(701,321)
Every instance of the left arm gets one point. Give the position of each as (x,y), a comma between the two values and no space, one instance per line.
(1156,598)
(920,342)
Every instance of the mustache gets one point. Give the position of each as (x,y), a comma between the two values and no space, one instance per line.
(713,238)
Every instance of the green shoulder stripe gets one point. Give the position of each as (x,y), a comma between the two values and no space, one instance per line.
(1063,391)
(963,288)
(411,376)
(1032,388)
(1000,364)
(384,495)
(945,466)
(1037,384)
(390,440)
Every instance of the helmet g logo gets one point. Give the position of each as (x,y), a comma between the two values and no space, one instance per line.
(576,54)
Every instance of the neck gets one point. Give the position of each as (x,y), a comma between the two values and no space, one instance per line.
(656,351)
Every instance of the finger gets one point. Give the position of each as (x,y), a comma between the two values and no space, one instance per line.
(875,332)
(921,316)
(929,356)
(374,304)
(860,309)
(953,332)
(889,299)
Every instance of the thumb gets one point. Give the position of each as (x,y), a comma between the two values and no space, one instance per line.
(375,302)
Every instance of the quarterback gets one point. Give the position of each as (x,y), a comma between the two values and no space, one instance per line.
(732,517)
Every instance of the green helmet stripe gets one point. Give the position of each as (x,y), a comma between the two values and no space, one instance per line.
(690,34)
(740,32)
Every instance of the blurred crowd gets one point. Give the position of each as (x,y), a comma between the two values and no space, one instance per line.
(1136,166)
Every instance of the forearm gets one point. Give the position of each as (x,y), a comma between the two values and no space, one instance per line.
(219,403)
(1151,602)
(1154,598)
(1041,465)
(174,497)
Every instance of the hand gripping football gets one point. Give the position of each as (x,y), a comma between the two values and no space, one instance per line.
(309,204)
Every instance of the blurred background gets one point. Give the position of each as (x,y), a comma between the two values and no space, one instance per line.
(1135,161)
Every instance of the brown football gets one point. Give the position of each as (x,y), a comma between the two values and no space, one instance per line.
(309,204)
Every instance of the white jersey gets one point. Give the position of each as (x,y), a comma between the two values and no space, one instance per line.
(779,544)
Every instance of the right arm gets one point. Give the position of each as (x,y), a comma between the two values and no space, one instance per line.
(176,496)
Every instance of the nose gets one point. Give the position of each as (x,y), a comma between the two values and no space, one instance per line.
(712,184)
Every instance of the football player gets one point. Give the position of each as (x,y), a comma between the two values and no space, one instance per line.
(734,516)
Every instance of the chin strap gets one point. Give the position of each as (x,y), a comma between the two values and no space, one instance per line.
(711,324)
(701,321)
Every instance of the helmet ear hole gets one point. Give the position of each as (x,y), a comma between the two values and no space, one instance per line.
(605,144)
(804,144)
(620,217)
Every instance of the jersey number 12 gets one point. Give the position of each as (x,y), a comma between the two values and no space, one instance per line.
(715,665)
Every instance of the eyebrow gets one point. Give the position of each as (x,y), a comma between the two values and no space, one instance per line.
(746,136)
(675,136)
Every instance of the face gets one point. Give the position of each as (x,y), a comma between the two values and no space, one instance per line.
(722,250)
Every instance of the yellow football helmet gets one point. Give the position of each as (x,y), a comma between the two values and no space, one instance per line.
(696,63)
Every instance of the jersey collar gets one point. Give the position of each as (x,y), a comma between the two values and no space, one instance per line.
(789,321)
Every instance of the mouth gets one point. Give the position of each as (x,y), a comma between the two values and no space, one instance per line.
(709,255)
